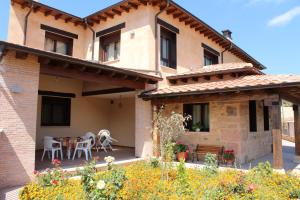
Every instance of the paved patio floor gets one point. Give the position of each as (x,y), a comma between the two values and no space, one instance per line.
(120,154)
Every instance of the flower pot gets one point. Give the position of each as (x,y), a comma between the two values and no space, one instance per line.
(182,155)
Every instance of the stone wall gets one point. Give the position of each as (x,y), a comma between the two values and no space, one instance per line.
(229,126)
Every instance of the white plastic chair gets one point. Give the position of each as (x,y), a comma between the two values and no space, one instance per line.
(53,146)
(106,140)
(90,135)
(84,146)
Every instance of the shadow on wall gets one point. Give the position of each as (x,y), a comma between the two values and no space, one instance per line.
(10,160)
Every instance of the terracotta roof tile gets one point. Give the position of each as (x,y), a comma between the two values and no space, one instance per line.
(217,69)
(250,81)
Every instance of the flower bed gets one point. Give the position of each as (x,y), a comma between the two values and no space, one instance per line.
(146,180)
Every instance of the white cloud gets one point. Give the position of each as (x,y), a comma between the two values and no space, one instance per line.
(285,18)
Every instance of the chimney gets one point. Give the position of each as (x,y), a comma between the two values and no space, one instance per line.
(227,34)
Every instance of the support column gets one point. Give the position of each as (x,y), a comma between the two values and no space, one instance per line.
(277,135)
(297,133)
(155,132)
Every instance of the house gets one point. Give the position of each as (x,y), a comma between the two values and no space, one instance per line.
(62,75)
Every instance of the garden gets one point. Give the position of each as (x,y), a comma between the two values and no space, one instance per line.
(161,178)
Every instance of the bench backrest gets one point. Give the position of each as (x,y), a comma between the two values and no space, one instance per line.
(209,149)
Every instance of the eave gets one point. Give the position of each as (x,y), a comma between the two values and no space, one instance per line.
(62,62)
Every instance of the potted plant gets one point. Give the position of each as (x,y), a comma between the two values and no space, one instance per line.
(181,151)
(197,127)
(228,156)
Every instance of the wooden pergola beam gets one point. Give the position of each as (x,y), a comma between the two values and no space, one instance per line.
(297,131)
(91,77)
(277,134)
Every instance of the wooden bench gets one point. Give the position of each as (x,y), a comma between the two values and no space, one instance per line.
(202,150)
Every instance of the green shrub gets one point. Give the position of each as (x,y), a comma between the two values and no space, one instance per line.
(211,163)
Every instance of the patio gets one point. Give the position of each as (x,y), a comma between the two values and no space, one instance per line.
(119,153)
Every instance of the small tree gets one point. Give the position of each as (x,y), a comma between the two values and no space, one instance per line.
(169,127)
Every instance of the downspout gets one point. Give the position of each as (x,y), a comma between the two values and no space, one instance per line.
(222,53)
(94,35)
(156,38)
(26,24)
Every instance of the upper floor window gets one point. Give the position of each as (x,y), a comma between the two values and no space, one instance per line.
(211,56)
(110,46)
(168,52)
(200,117)
(59,44)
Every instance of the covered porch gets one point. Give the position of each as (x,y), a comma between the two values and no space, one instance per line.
(238,107)
(76,97)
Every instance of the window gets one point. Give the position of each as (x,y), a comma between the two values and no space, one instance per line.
(252,116)
(200,117)
(55,111)
(266,118)
(58,44)
(210,58)
(168,50)
(110,46)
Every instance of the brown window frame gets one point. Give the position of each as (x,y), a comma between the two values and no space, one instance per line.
(252,116)
(114,37)
(51,102)
(188,110)
(55,37)
(266,118)
(211,56)
(172,48)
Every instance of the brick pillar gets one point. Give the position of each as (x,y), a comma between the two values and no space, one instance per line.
(143,128)
(18,113)
(297,133)
(276,133)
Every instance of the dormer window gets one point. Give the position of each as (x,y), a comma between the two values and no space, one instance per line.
(59,44)
(211,56)
(110,46)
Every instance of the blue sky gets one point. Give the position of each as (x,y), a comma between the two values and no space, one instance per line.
(268,30)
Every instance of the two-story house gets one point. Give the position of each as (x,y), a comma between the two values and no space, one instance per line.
(63,75)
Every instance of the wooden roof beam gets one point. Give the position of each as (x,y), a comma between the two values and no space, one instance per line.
(181,19)
(23,5)
(116,11)
(95,20)
(201,28)
(144,2)
(109,15)
(68,19)
(171,10)
(176,15)
(125,8)
(47,13)
(189,22)
(36,9)
(133,5)
(100,17)
(194,25)
(57,16)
